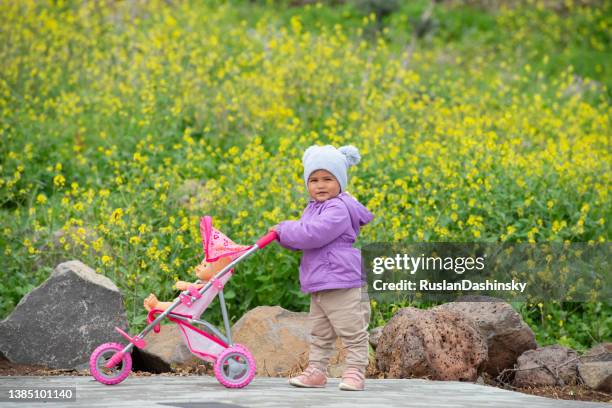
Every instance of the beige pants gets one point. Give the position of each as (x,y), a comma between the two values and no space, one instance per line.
(343,313)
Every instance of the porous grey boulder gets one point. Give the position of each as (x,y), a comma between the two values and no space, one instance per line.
(599,352)
(437,344)
(506,333)
(59,323)
(595,367)
(375,334)
(550,365)
(597,375)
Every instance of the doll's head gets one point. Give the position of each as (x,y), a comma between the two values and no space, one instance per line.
(326,168)
(206,270)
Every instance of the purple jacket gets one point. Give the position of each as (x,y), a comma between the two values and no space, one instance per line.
(326,233)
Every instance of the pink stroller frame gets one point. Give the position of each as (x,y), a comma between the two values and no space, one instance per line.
(234,365)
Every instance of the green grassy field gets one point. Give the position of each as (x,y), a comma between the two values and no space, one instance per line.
(122,124)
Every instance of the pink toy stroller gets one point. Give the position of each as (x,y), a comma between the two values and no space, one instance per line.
(234,366)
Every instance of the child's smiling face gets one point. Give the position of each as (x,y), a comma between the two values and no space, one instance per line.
(322,185)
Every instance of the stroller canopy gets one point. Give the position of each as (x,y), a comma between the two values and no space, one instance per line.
(216,245)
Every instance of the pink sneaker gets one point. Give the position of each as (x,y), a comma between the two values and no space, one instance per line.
(352,380)
(312,377)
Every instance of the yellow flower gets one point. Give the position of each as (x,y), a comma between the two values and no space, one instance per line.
(41,198)
(116,215)
(59,180)
(97,244)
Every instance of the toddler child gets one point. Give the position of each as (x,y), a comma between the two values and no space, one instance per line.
(330,268)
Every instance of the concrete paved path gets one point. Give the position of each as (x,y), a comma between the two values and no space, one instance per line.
(206,392)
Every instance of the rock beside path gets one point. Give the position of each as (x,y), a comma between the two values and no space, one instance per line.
(59,323)
(550,365)
(279,340)
(504,330)
(437,344)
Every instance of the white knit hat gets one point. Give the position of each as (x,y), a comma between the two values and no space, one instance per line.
(336,161)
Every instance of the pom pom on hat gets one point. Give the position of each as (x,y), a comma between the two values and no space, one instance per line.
(352,154)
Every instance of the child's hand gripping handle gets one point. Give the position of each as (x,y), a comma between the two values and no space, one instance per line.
(266,239)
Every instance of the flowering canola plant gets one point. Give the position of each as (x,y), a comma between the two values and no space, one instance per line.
(123,123)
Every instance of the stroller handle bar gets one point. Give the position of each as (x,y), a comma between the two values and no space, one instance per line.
(266,239)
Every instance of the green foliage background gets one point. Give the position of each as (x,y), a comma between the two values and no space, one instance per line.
(123,123)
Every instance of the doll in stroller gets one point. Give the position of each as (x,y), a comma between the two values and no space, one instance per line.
(204,272)
(234,365)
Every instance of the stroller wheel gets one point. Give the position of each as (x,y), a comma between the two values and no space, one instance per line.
(100,357)
(235,367)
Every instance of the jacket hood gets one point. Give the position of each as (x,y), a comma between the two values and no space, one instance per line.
(360,215)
